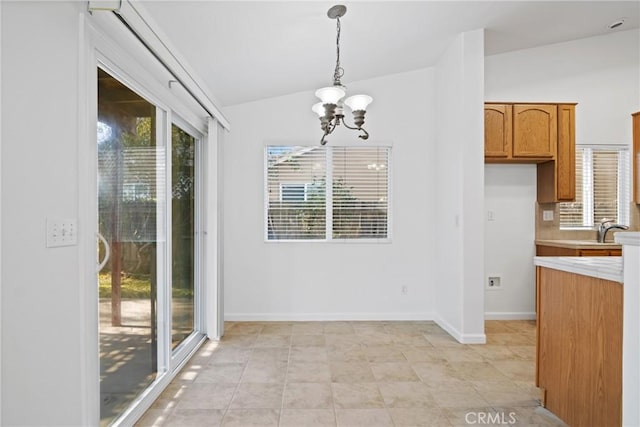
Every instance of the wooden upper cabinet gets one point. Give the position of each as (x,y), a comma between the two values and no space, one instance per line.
(566,154)
(497,130)
(636,157)
(535,130)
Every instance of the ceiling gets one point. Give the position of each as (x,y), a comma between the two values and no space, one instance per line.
(245,51)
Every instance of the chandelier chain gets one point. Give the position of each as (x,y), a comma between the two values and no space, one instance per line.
(339,71)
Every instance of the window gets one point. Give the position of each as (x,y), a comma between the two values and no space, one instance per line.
(326,193)
(602,188)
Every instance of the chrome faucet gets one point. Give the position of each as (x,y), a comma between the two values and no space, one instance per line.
(605,226)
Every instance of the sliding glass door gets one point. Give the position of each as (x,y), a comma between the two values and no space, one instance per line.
(149,232)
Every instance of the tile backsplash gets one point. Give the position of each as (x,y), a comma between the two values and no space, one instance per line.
(550,230)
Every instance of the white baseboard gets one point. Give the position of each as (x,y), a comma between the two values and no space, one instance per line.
(301,317)
(500,315)
(459,336)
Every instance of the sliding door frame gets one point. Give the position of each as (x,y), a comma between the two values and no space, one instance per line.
(98,50)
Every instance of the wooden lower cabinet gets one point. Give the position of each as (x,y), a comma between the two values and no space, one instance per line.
(579,348)
(542,250)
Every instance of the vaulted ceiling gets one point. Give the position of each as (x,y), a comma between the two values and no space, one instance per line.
(247,50)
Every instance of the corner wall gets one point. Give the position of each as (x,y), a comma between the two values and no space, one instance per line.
(333,280)
(460,186)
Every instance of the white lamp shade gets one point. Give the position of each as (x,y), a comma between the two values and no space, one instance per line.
(358,102)
(330,95)
(318,109)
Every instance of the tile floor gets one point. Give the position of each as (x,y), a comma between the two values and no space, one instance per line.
(356,374)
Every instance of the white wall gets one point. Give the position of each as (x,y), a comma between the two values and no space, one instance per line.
(459,150)
(601,75)
(322,280)
(509,248)
(41,321)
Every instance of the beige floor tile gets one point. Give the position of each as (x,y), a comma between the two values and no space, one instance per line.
(443,340)
(463,354)
(269,355)
(221,373)
(265,372)
(376,339)
(258,396)
(251,417)
(277,329)
(537,416)
(507,393)
(308,354)
(477,371)
(195,418)
(230,355)
(308,328)
(418,417)
(435,371)
(494,353)
(308,372)
(348,354)
(338,328)
(248,328)
(481,415)
(406,394)
(524,352)
(357,395)
(393,371)
(423,354)
(240,341)
(384,353)
(308,396)
(308,340)
(410,340)
(497,327)
(307,418)
(518,370)
(351,372)
(272,341)
(514,339)
(207,396)
(154,418)
(363,418)
(463,396)
(342,340)
(282,372)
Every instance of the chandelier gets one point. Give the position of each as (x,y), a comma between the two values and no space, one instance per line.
(330,109)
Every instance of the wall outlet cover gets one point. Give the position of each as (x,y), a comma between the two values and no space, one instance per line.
(547,215)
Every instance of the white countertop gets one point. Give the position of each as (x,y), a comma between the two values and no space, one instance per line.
(602,267)
(631,238)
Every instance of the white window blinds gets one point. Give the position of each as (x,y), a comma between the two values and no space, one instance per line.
(602,188)
(326,193)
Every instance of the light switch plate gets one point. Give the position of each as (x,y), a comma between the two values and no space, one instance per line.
(547,215)
(62,232)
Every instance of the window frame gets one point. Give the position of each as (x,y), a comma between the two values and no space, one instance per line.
(587,190)
(328,237)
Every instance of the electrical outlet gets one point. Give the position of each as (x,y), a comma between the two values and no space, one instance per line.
(491,216)
(547,215)
(404,290)
(493,283)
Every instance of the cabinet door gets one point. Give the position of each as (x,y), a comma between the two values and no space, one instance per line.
(535,130)
(566,155)
(497,130)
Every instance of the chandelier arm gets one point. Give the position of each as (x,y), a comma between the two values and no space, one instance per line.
(365,134)
(350,127)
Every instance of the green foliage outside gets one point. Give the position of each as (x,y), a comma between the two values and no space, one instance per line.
(135,287)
